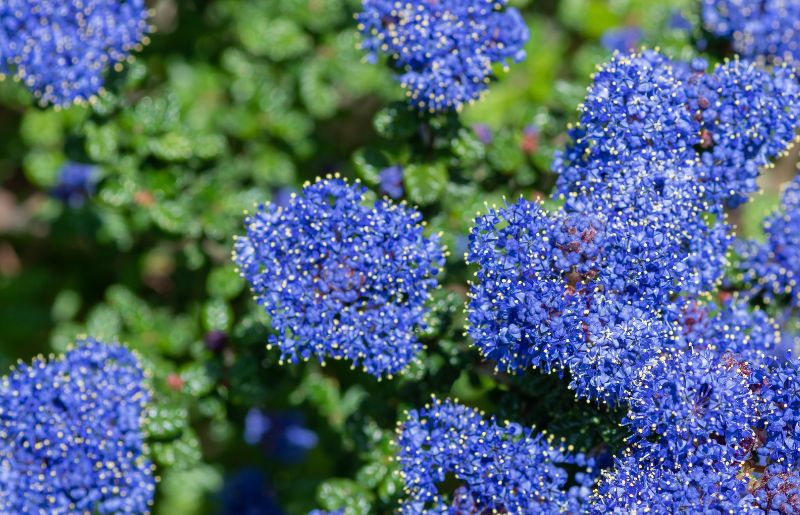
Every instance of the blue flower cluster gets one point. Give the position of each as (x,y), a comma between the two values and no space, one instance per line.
(601,285)
(341,279)
(70,434)
(707,479)
(76,182)
(499,468)
(60,49)
(730,326)
(766,29)
(689,134)
(769,269)
(681,399)
(778,490)
(444,50)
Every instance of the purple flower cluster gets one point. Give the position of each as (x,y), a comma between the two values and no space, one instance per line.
(60,49)
(770,269)
(444,50)
(766,29)
(70,434)
(341,279)
(499,467)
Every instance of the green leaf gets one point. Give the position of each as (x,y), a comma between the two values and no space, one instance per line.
(276,38)
(42,128)
(172,147)
(180,454)
(425,183)
(165,421)
(217,315)
(42,167)
(101,143)
(396,121)
(196,380)
(224,282)
(338,494)
(368,163)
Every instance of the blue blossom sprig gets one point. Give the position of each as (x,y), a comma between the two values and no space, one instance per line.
(766,30)
(71,436)
(501,467)
(61,49)
(706,479)
(341,279)
(681,399)
(769,269)
(444,51)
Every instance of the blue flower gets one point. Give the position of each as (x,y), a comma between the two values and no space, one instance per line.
(747,118)
(341,279)
(778,490)
(732,326)
(766,29)
(656,126)
(248,492)
(769,269)
(76,182)
(681,399)
(61,49)
(443,51)
(706,479)
(500,467)
(778,387)
(281,435)
(70,434)
(623,39)
(391,181)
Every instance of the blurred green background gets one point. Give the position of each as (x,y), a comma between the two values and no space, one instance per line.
(236,102)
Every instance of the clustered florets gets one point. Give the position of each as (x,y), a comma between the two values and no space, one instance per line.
(70,434)
(341,279)
(444,50)
(591,288)
(767,29)
(61,49)
(498,467)
(770,269)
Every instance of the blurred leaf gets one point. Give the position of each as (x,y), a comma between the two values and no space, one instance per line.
(425,182)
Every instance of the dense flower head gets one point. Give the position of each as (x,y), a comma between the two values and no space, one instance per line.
(523,311)
(748,118)
(778,490)
(341,279)
(70,434)
(770,268)
(621,39)
(76,182)
(443,51)
(768,29)
(680,399)
(706,479)
(728,326)
(778,388)
(653,128)
(500,467)
(60,49)
(568,290)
